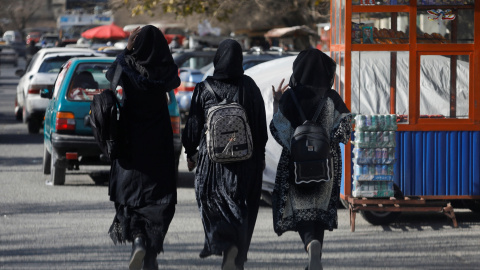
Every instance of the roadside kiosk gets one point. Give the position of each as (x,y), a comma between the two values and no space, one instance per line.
(417,60)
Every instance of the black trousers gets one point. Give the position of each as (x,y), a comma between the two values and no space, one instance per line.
(309,231)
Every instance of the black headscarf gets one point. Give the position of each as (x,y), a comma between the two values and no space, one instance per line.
(313,69)
(228,60)
(151,57)
(312,79)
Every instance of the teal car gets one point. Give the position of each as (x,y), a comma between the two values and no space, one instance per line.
(68,137)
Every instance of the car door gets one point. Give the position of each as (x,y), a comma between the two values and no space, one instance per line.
(24,79)
(52,109)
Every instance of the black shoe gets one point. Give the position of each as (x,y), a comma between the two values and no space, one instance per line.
(229,258)
(150,260)
(138,253)
(314,255)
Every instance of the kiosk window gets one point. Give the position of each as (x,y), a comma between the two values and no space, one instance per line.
(444,86)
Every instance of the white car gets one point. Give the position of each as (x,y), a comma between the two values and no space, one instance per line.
(41,73)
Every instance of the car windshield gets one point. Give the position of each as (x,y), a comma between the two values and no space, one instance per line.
(88,80)
(53,64)
(197,62)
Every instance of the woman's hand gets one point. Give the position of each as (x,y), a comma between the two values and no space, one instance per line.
(132,37)
(192,162)
(277,94)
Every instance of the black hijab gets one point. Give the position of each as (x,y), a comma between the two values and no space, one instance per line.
(312,79)
(228,60)
(151,57)
(313,69)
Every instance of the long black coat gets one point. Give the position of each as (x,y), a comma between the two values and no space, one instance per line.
(146,174)
(222,189)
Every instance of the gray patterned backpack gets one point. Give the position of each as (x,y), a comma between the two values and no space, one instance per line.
(228,134)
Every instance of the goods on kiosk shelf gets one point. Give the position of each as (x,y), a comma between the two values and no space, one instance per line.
(374,155)
(406,2)
(361,33)
(373,189)
(380,2)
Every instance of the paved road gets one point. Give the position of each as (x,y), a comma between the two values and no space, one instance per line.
(65,227)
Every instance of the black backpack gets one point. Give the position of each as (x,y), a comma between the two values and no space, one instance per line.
(310,149)
(104,118)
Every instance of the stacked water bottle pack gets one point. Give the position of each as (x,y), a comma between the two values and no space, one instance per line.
(374,155)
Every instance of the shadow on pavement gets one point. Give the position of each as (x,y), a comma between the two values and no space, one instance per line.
(21,138)
(18,161)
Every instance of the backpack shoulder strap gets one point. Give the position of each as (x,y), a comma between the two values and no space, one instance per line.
(294,98)
(114,83)
(116,77)
(319,109)
(210,89)
(235,97)
(240,88)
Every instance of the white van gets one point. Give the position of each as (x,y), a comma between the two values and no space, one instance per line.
(11,36)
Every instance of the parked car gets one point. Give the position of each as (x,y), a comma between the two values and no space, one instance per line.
(39,74)
(189,78)
(15,41)
(48,40)
(33,36)
(189,64)
(12,36)
(68,138)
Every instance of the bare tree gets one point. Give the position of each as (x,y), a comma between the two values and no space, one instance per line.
(19,13)
(236,14)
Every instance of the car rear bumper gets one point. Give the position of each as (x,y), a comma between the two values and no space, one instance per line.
(36,104)
(82,145)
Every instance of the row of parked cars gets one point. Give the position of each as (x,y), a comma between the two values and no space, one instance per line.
(56,89)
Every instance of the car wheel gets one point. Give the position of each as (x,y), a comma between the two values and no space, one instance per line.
(379,218)
(344,203)
(473,205)
(33,126)
(383,218)
(47,160)
(18,111)
(58,170)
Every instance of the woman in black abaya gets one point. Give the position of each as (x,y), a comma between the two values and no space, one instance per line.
(308,211)
(142,180)
(228,195)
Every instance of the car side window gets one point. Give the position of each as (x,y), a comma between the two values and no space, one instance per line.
(30,65)
(58,82)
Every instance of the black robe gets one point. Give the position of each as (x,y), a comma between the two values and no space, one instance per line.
(227,194)
(146,173)
(142,180)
